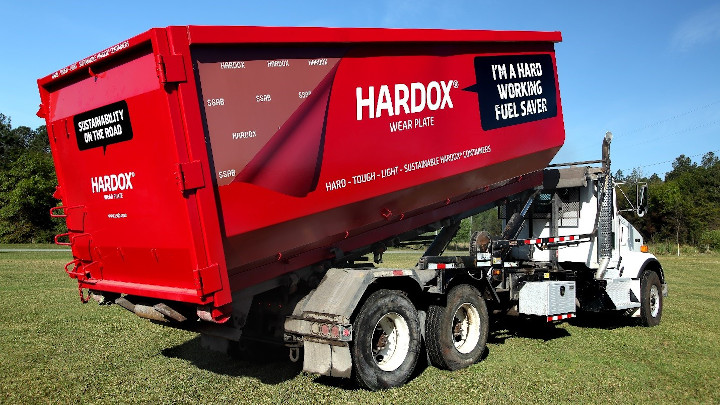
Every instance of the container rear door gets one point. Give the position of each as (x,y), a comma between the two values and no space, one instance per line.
(125,179)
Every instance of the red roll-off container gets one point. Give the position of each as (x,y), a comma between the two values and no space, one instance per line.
(196,161)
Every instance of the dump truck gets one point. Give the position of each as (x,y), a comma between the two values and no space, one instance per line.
(245,182)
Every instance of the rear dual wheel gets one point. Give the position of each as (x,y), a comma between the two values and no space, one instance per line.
(456,333)
(386,345)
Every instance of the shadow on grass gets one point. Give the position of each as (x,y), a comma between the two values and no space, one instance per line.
(347,384)
(268,363)
(265,362)
(505,327)
(603,320)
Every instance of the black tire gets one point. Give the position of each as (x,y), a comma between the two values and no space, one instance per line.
(382,360)
(449,345)
(651,299)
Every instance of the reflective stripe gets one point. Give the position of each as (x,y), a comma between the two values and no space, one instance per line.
(560,317)
(540,241)
(435,266)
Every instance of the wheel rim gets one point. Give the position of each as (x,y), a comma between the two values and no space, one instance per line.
(654,301)
(390,341)
(466,328)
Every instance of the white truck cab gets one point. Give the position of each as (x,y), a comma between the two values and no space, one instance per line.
(574,224)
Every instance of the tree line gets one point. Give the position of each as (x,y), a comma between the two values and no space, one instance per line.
(27,184)
(684,206)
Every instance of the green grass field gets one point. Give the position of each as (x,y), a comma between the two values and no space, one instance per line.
(55,349)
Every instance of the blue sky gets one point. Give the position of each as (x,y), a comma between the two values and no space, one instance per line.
(649,71)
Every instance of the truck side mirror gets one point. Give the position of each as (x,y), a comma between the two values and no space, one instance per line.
(642,200)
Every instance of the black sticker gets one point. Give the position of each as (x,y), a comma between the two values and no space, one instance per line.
(103,126)
(514,89)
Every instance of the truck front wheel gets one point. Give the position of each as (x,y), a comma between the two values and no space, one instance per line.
(651,301)
(456,333)
(387,340)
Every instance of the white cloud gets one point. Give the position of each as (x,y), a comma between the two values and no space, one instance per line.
(700,28)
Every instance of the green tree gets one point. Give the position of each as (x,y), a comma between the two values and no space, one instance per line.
(27,182)
(673,209)
(709,160)
(685,207)
(11,142)
(681,165)
(484,221)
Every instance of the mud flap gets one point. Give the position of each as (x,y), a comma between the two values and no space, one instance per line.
(324,358)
